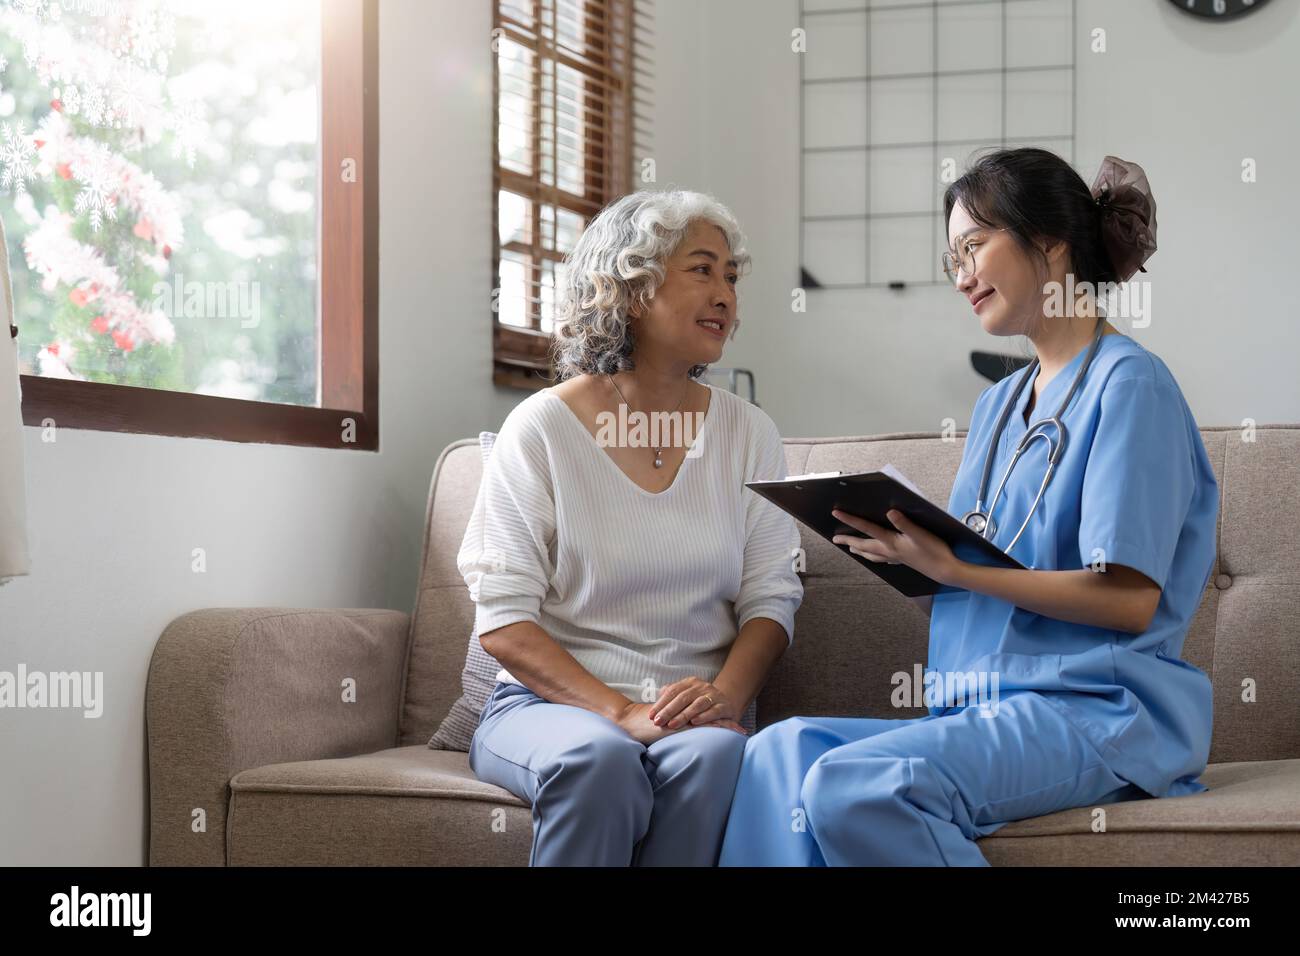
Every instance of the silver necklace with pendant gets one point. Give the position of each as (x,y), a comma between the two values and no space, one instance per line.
(659,459)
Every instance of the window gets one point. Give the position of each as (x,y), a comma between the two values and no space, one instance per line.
(192,217)
(570,118)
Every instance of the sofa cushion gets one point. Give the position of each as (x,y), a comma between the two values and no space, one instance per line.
(408,806)
(416,806)
(1250,816)
(477,677)
(444,613)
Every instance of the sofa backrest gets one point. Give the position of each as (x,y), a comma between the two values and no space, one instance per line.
(853,632)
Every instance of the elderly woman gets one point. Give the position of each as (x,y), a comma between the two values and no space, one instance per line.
(634,591)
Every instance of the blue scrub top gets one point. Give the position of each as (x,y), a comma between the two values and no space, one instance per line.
(1135,482)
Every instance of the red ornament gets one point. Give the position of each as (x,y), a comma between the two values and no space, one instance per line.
(100,324)
(64,170)
(56,105)
(143,228)
(167,252)
(40,143)
(122,341)
(52,348)
(78,297)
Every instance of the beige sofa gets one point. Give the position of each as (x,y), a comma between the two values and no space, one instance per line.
(298,736)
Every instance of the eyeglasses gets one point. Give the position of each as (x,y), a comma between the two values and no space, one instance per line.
(964,260)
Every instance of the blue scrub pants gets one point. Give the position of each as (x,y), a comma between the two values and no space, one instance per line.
(846,791)
(599,796)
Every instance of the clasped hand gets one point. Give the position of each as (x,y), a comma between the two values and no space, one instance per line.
(690,702)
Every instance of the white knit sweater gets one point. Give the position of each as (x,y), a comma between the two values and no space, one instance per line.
(643,589)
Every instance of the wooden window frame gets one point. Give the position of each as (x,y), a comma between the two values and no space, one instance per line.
(348,294)
(522,356)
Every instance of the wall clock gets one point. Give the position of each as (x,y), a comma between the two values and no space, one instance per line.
(1218,9)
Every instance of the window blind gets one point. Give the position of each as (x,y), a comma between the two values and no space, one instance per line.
(571,98)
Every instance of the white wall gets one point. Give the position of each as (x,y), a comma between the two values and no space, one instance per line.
(114,517)
(1185,99)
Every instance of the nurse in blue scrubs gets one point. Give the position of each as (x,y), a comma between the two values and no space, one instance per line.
(1085,699)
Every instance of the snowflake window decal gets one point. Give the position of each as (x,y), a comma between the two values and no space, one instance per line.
(109,96)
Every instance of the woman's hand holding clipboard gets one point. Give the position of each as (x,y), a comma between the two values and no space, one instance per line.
(814,499)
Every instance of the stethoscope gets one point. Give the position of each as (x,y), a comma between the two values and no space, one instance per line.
(979,519)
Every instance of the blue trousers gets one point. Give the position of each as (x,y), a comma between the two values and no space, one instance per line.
(846,791)
(599,796)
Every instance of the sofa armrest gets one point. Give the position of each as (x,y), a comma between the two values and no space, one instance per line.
(235,688)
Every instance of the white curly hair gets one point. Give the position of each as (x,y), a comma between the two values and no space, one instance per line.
(618,261)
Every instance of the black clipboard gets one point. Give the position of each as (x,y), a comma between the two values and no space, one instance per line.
(871,494)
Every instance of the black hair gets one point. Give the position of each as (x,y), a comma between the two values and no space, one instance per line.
(1035,194)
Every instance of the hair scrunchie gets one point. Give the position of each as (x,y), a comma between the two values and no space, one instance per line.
(1128,215)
